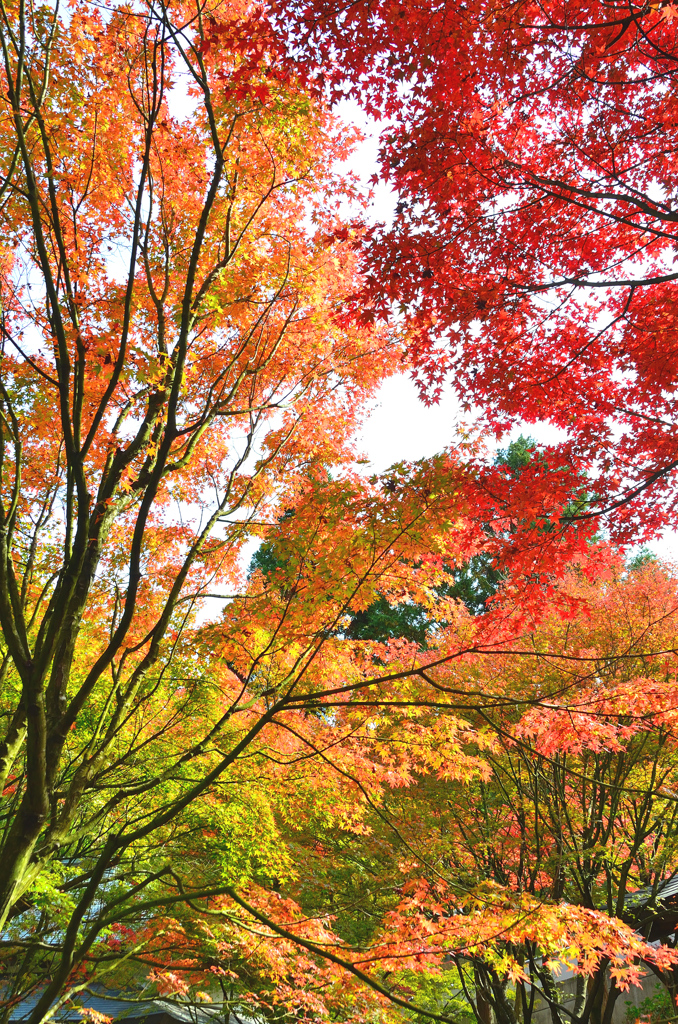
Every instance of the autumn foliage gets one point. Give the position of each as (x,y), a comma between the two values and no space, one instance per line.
(533,244)
(218,784)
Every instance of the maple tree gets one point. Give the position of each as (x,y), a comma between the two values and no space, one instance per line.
(580,806)
(184,366)
(531,147)
(176,371)
(524,866)
(508,869)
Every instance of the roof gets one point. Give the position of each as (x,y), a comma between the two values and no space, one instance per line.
(664,892)
(120,1008)
(653,910)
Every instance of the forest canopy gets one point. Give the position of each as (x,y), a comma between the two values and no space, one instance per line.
(416,758)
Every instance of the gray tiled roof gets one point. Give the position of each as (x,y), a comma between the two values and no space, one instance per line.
(119,1008)
(665,891)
